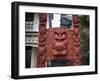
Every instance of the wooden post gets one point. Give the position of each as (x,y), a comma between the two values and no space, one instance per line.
(41,59)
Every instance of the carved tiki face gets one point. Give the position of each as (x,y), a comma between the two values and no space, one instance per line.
(59,42)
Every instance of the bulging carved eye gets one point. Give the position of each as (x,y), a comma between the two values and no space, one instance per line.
(56,34)
(63,35)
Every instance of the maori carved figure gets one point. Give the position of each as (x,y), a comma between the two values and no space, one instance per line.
(59,43)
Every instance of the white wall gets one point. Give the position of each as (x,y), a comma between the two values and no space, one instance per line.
(5,40)
(36,22)
(56,20)
(34,57)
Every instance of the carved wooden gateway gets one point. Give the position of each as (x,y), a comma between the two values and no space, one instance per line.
(59,46)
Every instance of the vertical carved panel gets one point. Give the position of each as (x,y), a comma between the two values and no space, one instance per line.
(41,59)
(77,59)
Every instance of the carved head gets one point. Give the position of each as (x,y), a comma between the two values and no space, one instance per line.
(59,34)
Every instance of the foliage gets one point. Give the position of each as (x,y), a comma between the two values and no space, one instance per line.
(84,38)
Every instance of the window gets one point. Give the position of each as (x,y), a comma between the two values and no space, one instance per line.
(65,21)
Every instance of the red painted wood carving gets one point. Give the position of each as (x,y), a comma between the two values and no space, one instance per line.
(76,56)
(41,59)
(59,43)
